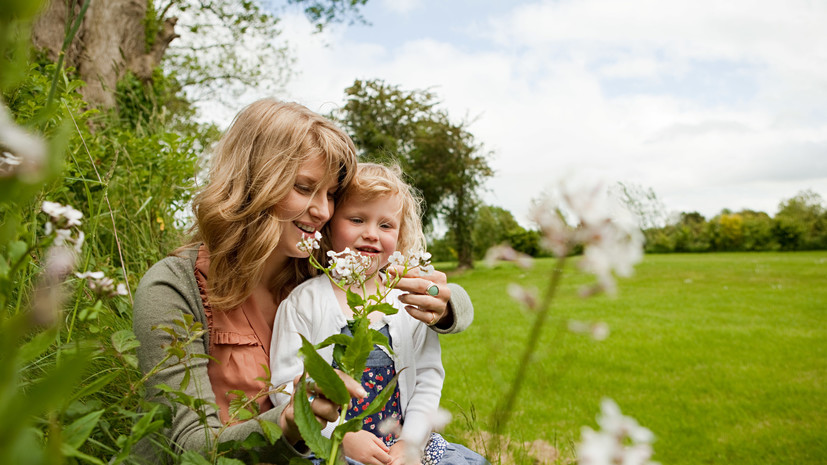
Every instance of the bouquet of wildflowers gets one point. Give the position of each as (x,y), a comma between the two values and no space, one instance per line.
(348,270)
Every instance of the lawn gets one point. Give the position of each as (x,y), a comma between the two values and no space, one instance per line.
(722,356)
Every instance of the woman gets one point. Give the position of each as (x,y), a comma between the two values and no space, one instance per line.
(275,177)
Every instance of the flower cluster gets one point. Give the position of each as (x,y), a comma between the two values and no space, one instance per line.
(583,215)
(63,222)
(349,266)
(101,285)
(309,243)
(620,440)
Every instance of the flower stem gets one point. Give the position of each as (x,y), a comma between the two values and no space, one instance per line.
(502,413)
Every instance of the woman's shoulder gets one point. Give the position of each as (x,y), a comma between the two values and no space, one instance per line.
(171,268)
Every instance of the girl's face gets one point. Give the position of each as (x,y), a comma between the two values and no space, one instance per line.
(307,207)
(369,227)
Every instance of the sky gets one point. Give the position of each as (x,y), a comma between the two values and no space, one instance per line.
(712,104)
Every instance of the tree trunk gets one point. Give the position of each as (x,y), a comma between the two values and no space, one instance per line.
(110,42)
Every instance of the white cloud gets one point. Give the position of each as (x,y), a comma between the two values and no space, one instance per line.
(713,104)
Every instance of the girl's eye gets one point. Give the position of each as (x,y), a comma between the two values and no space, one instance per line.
(386,226)
(356,220)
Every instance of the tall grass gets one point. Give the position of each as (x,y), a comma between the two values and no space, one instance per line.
(722,356)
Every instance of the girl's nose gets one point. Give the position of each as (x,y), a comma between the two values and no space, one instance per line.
(370,232)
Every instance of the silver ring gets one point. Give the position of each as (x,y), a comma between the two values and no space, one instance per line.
(433,290)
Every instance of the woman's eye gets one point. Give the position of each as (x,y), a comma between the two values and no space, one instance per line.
(303,189)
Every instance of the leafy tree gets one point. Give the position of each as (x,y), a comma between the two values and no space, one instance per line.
(442,158)
(801,222)
(492,226)
(691,233)
(727,231)
(215,48)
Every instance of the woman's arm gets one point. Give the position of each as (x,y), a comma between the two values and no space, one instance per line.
(450,311)
(166,293)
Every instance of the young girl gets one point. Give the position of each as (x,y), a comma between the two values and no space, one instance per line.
(377,215)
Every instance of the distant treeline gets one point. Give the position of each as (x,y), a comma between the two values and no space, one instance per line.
(799,224)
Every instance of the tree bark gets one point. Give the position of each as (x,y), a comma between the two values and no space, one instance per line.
(110,42)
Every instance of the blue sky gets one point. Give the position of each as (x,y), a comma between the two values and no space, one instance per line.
(712,104)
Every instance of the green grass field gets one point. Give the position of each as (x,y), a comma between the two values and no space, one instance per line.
(722,356)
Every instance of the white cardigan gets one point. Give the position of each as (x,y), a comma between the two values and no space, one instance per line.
(313,311)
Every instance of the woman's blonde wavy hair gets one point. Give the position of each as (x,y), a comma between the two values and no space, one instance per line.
(372,181)
(254,167)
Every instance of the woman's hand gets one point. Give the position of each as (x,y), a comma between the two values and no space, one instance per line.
(427,298)
(364,447)
(324,409)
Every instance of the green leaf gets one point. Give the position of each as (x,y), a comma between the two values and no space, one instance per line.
(385,308)
(131,360)
(78,432)
(351,426)
(300,461)
(191,457)
(309,427)
(341,339)
(70,451)
(16,250)
(379,339)
(96,385)
(325,376)
(271,430)
(124,340)
(354,300)
(222,460)
(380,400)
(357,352)
(36,346)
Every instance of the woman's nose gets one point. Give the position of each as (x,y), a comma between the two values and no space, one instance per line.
(321,208)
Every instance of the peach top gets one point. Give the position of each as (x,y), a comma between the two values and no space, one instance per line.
(239,342)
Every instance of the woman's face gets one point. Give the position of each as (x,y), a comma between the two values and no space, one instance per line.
(307,207)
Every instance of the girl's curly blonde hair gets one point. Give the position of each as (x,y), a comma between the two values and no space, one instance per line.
(373,180)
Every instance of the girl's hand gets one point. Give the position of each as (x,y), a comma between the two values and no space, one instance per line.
(397,453)
(424,306)
(365,447)
(324,409)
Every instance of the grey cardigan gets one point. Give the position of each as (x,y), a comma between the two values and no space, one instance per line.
(168,290)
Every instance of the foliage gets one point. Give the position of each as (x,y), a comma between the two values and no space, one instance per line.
(227,47)
(442,158)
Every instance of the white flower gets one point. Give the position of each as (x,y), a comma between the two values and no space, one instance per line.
(620,441)
(527,297)
(426,270)
(23,154)
(505,253)
(349,266)
(309,243)
(101,285)
(396,259)
(599,331)
(583,213)
(53,209)
(9,159)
